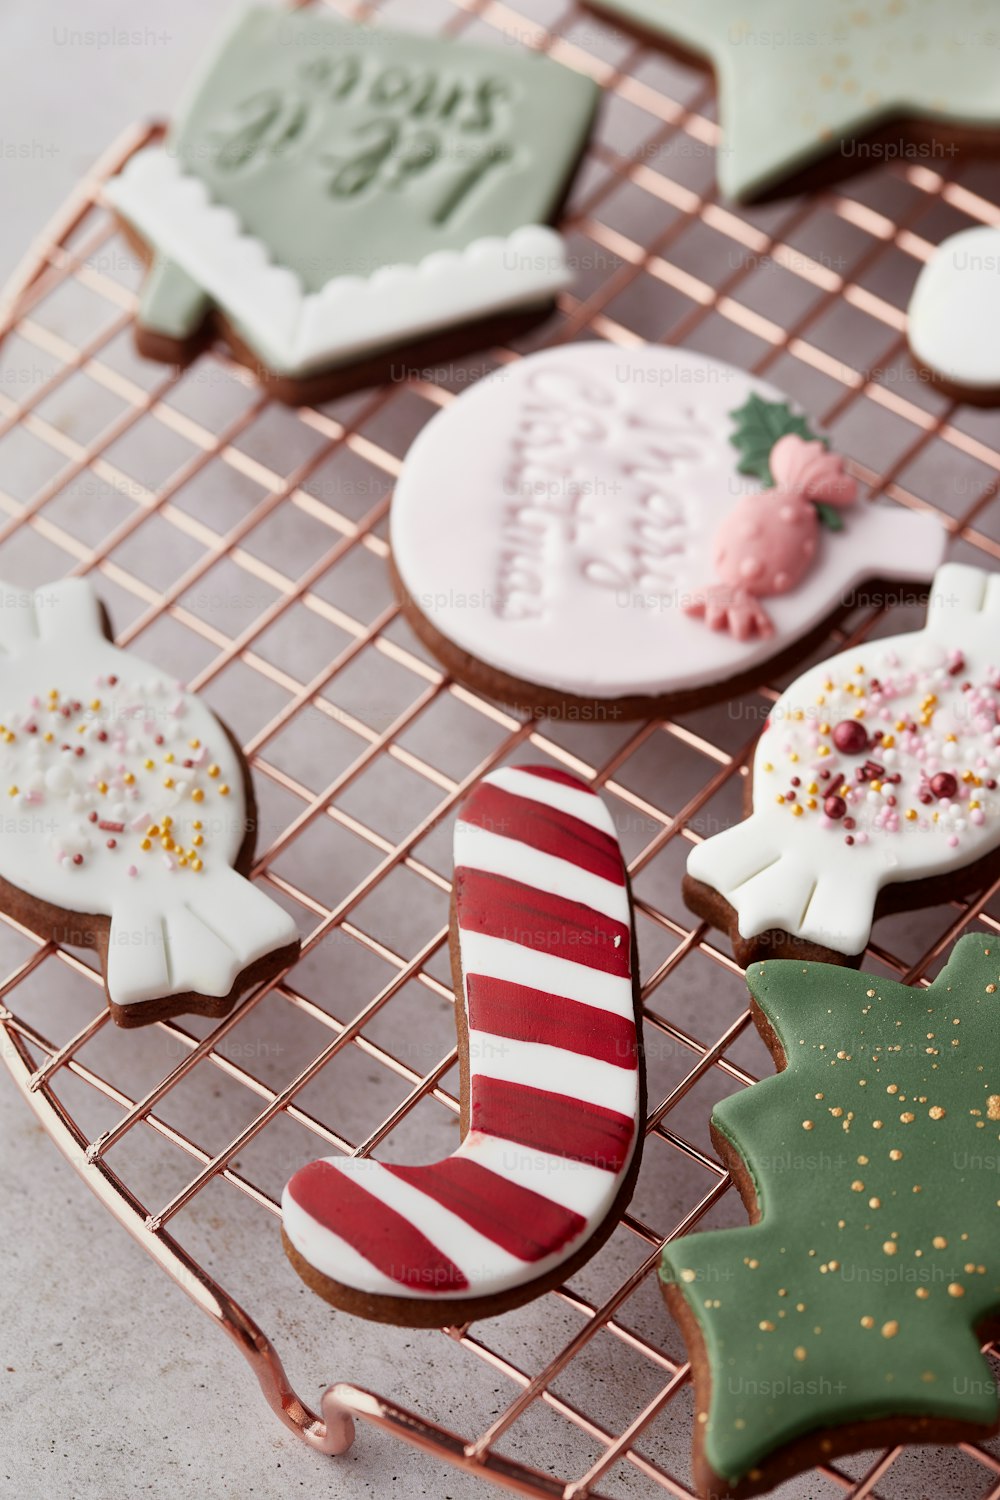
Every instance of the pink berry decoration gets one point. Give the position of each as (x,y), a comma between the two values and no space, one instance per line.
(769,541)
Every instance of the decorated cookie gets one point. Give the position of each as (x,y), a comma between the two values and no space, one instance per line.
(130,816)
(849,1315)
(874,787)
(551,1084)
(954,312)
(332,192)
(609,532)
(855,84)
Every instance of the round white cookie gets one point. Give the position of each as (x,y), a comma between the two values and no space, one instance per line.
(554,523)
(954,309)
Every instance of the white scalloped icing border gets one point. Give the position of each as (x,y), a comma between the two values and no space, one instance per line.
(295,332)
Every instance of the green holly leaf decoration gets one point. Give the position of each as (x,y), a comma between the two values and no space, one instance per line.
(829,516)
(870,1164)
(759,425)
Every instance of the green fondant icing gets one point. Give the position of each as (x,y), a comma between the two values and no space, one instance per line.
(345,148)
(857,1294)
(796,79)
(758,426)
(171,302)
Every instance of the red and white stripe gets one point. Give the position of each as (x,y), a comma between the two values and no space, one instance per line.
(545,937)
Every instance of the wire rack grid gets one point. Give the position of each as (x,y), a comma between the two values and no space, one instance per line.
(245,546)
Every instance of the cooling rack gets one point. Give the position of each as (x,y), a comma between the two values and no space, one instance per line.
(244,545)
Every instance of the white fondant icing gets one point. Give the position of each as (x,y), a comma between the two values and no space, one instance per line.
(553,521)
(484,1262)
(575,1185)
(485,850)
(954,312)
(296,332)
(798,873)
(331,1254)
(483,954)
(92,755)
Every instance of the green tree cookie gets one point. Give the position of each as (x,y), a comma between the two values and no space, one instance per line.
(871,1168)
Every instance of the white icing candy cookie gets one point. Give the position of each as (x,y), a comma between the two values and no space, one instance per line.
(552,1087)
(638,529)
(877,769)
(954,315)
(130,819)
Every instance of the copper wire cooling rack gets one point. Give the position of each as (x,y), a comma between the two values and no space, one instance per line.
(244,546)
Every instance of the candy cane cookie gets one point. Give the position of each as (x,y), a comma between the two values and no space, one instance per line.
(552,1087)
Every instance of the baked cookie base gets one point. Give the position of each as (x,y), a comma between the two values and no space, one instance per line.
(539,701)
(826,1443)
(451,1312)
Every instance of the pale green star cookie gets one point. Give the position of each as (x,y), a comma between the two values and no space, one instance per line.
(796,80)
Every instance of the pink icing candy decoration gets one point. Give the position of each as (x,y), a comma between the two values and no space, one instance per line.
(768,543)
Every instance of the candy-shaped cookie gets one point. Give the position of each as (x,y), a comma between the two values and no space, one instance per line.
(609,533)
(874,787)
(807,93)
(551,1081)
(343,201)
(849,1315)
(954,315)
(130,818)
